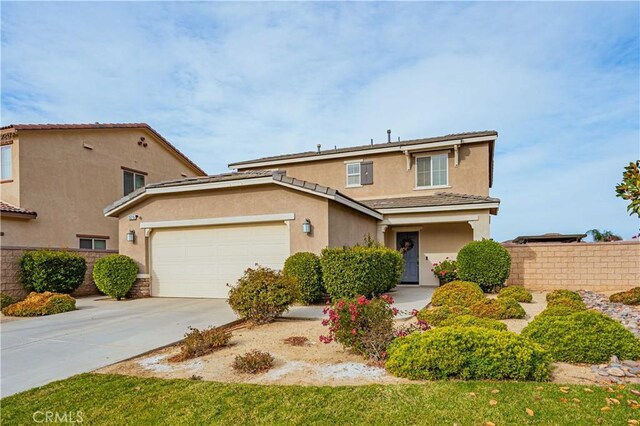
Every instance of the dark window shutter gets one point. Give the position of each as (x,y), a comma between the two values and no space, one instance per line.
(366,173)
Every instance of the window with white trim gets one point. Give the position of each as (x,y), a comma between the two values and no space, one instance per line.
(432,171)
(132,181)
(353,174)
(93,243)
(6,162)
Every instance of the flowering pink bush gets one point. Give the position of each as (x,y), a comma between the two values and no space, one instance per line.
(365,325)
(446,271)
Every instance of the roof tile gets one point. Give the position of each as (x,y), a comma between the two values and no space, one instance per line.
(438,199)
(10,208)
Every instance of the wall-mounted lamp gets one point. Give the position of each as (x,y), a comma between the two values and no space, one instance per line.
(131,236)
(306,226)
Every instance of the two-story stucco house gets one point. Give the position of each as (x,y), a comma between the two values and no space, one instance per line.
(57,178)
(196,235)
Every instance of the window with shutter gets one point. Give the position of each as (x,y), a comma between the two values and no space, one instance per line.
(367,173)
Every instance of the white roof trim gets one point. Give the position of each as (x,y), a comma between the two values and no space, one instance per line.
(447,208)
(363,152)
(232,220)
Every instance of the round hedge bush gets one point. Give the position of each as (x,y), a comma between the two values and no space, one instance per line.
(583,337)
(467,353)
(471,321)
(115,274)
(38,304)
(52,271)
(520,294)
(484,262)
(558,311)
(6,300)
(574,304)
(305,269)
(457,293)
(262,294)
(563,294)
(504,308)
(629,297)
(435,315)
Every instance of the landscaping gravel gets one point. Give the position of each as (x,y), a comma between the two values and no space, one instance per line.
(629,316)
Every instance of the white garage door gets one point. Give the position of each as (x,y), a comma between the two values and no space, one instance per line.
(199,262)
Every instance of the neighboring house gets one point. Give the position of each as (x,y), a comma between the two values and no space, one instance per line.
(551,237)
(57,178)
(192,237)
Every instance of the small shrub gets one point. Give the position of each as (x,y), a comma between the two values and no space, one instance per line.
(583,337)
(558,311)
(577,305)
(520,294)
(486,263)
(505,308)
(114,275)
(446,271)
(629,297)
(457,293)
(262,294)
(468,353)
(471,321)
(52,271)
(360,270)
(435,315)
(296,341)
(6,300)
(563,294)
(305,269)
(37,304)
(362,325)
(201,342)
(253,362)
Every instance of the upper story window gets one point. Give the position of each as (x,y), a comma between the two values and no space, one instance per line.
(359,173)
(432,171)
(353,174)
(6,172)
(132,181)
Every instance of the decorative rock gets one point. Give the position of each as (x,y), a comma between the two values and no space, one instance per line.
(603,372)
(615,371)
(630,363)
(614,360)
(629,316)
(634,370)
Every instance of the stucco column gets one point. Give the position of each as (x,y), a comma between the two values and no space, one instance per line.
(481,227)
(381,231)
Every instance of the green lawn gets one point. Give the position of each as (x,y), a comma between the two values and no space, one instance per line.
(120,400)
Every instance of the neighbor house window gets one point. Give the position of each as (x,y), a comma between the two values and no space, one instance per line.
(132,181)
(93,243)
(353,174)
(6,163)
(432,171)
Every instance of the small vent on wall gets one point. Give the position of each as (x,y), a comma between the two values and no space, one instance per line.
(87,146)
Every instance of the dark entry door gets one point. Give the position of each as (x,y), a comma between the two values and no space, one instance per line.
(407,243)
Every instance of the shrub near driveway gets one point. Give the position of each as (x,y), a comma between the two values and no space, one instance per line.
(201,342)
(520,294)
(38,304)
(305,269)
(484,262)
(505,308)
(52,271)
(115,274)
(6,300)
(457,293)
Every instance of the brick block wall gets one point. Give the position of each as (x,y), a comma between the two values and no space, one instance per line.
(611,266)
(10,271)
(140,288)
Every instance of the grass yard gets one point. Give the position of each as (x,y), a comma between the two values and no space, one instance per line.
(117,400)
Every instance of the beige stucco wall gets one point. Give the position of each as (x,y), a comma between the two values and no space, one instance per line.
(348,226)
(69,186)
(10,189)
(246,201)
(391,177)
(575,266)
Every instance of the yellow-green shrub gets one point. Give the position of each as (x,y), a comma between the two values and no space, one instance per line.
(504,308)
(577,305)
(520,294)
(563,294)
(457,293)
(629,297)
(305,269)
(52,271)
(436,314)
(471,321)
(115,274)
(36,304)
(558,311)
(6,300)
(484,262)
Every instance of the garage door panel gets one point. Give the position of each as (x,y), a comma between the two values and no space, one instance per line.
(199,262)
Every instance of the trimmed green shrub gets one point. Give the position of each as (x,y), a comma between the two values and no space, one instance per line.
(558,311)
(468,353)
(115,274)
(52,271)
(6,300)
(201,342)
(435,315)
(262,294)
(577,305)
(520,294)
(504,308)
(37,304)
(471,321)
(563,294)
(484,262)
(457,293)
(629,297)
(305,269)
(583,337)
(369,271)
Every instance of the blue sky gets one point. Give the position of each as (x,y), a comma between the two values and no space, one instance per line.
(232,81)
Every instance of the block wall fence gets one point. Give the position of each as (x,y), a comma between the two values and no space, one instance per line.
(606,267)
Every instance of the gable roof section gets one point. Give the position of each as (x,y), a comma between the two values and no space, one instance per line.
(467,137)
(11,210)
(236,179)
(435,202)
(95,126)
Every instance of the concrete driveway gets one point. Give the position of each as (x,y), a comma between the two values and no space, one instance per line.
(36,351)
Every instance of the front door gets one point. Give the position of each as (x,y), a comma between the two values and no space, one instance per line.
(407,243)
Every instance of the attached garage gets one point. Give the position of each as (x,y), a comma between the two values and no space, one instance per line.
(201,261)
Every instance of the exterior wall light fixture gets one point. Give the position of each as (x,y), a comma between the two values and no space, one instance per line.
(131,236)
(306,226)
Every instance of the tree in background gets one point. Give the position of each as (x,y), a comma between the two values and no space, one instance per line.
(603,236)
(629,188)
